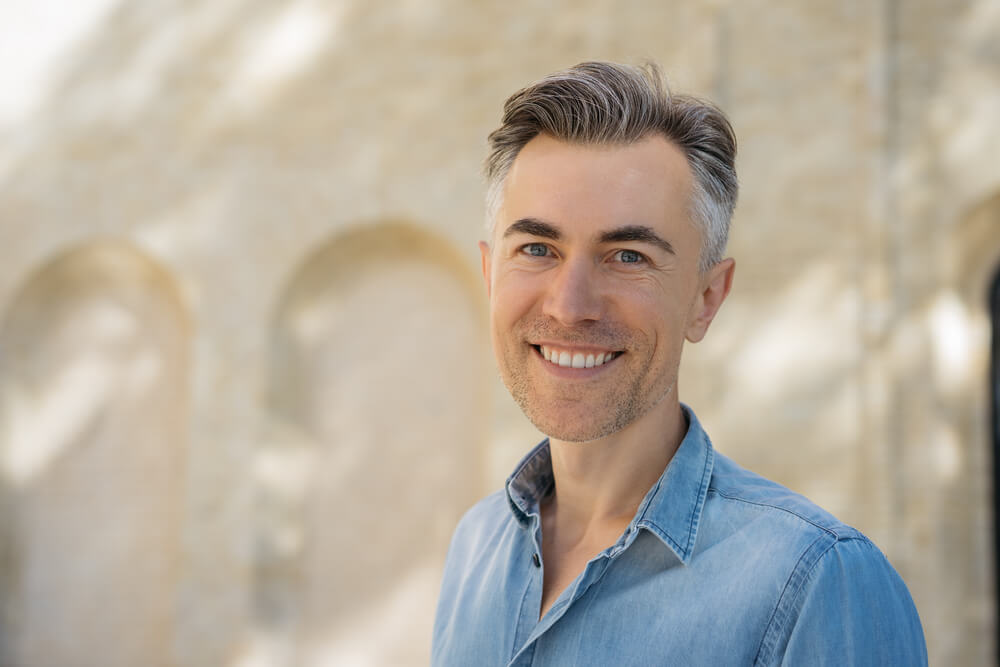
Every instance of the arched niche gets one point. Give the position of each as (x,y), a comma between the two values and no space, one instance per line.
(380,379)
(93,377)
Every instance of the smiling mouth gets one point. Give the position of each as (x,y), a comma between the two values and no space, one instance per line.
(569,359)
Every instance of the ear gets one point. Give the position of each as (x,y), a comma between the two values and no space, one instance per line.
(714,286)
(484,251)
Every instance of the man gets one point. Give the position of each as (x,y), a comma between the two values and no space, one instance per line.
(624,538)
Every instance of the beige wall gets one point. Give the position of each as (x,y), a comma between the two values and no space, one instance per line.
(259,402)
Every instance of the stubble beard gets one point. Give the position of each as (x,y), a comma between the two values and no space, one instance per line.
(593,417)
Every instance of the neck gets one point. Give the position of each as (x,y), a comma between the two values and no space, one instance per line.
(603,481)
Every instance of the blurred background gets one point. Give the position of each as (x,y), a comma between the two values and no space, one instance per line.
(245,384)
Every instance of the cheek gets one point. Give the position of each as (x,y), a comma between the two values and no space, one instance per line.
(662,319)
(512,297)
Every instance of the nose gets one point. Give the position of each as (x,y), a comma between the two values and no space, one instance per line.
(573,296)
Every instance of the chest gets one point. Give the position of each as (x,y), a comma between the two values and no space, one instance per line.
(563,565)
(641,607)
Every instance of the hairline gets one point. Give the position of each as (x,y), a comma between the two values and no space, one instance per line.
(698,198)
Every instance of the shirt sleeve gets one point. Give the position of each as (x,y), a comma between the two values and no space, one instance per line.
(853,609)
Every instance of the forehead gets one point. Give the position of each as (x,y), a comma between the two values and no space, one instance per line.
(588,187)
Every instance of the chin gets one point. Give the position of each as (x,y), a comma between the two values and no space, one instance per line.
(574,429)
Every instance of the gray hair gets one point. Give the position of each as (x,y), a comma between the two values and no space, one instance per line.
(609,103)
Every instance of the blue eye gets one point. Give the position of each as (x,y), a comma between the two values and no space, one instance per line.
(536,249)
(629,257)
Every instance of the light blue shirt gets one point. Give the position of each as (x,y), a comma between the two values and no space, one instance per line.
(719,566)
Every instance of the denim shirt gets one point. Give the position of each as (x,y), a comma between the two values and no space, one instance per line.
(719,566)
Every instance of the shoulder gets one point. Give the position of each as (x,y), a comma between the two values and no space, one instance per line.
(750,493)
(486,512)
(480,526)
(840,600)
(848,607)
(491,507)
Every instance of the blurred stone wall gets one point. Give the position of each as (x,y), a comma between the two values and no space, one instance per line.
(245,383)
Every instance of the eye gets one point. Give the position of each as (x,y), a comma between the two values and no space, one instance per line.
(629,257)
(535,249)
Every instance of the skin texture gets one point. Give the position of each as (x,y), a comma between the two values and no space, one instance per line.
(594,251)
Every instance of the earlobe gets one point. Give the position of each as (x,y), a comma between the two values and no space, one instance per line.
(484,251)
(714,290)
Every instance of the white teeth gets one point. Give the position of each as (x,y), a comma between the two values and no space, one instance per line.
(575,360)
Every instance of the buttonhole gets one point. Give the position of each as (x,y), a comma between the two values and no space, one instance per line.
(536,560)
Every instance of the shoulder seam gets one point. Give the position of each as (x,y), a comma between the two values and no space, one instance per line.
(827,529)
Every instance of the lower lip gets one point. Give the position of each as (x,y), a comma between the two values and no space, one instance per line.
(573,373)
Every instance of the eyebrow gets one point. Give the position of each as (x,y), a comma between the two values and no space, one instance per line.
(639,233)
(534,227)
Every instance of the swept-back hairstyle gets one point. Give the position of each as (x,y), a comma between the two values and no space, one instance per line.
(609,103)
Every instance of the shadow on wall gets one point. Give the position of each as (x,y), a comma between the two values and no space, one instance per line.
(378,394)
(92,418)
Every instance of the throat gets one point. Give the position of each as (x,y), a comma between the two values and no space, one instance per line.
(567,549)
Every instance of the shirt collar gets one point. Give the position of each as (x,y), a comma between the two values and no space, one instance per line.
(530,482)
(671,509)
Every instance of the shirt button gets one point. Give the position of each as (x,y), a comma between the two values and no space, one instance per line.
(536,560)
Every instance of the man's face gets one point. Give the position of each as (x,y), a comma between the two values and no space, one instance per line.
(594,283)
